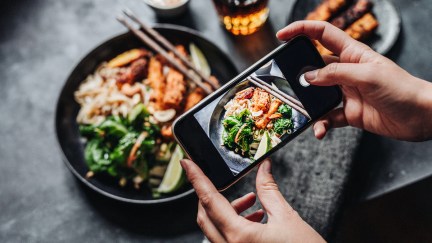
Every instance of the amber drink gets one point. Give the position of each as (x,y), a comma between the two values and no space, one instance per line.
(242,17)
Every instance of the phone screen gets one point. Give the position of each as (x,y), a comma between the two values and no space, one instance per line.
(244,121)
(247,122)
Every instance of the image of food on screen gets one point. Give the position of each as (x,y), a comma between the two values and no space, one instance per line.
(254,121)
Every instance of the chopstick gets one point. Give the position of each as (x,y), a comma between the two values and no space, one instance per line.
(282,96)
(168,46)
(289,97)
(152,44)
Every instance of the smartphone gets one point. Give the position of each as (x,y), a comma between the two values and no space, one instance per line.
(238,126)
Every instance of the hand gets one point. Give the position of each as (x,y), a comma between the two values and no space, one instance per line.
(221,221)
(379,96)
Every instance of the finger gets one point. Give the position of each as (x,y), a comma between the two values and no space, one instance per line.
(331,37)
(330,59)
(348,74)
(334,119)
(207,227)
(256,216)
(217,207)
(271,199)
(242,204)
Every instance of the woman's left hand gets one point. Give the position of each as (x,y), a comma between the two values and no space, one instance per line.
(221,221)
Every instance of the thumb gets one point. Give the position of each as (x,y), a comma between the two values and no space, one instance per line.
(348,74)
(271,198)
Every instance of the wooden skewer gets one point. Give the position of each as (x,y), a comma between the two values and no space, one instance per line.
(281,97)
(289,97)
(168,46)
(152,44)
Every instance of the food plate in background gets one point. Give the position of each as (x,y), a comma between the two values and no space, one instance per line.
(385,35)
(68,134)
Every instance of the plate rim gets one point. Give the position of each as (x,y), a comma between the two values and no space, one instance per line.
(58,107)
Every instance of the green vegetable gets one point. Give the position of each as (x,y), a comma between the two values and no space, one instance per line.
(285,110)
(137,114)
(121,152)
(229,136)
(110,143)
(231,121)
(88,130)
(239,126)
(245,137)
(244,115)
(282,125)
(96,155)
(113,128)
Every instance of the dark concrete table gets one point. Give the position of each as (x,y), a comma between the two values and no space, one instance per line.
(27,29)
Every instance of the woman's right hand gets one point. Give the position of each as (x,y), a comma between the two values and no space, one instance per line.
(379,96)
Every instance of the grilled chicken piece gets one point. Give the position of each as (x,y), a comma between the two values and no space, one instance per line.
(362,28)
(182,50)
(245,94)
(260,100)
(194,97)
(175,90)
(262,123)
(156,81)
(326,9)
(166,131)
(355,12)
(135,73)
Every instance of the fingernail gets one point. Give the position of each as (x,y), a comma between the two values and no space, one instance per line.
(267,166)
(311,76)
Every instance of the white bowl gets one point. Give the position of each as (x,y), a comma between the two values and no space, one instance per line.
(168,11)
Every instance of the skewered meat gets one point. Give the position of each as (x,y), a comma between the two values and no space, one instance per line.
(194,97)
(362,28)
(175,90)
(326,9)
(355,12)
(262,123)
(260,100)
(245,94)
(156,81)
(135,73)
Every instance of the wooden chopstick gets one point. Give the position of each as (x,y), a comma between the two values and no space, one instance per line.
(168,46)
(289,97)
(152,44)
(281,97)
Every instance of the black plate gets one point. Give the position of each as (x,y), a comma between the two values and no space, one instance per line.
(67,109)
(389,22)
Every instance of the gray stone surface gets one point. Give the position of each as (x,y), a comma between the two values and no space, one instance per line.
(42,40)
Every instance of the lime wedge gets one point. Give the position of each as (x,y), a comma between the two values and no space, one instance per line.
(264,146)
(174,176)
(199,60)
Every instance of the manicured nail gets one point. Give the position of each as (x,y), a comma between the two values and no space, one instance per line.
(311,76)
(267,166)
